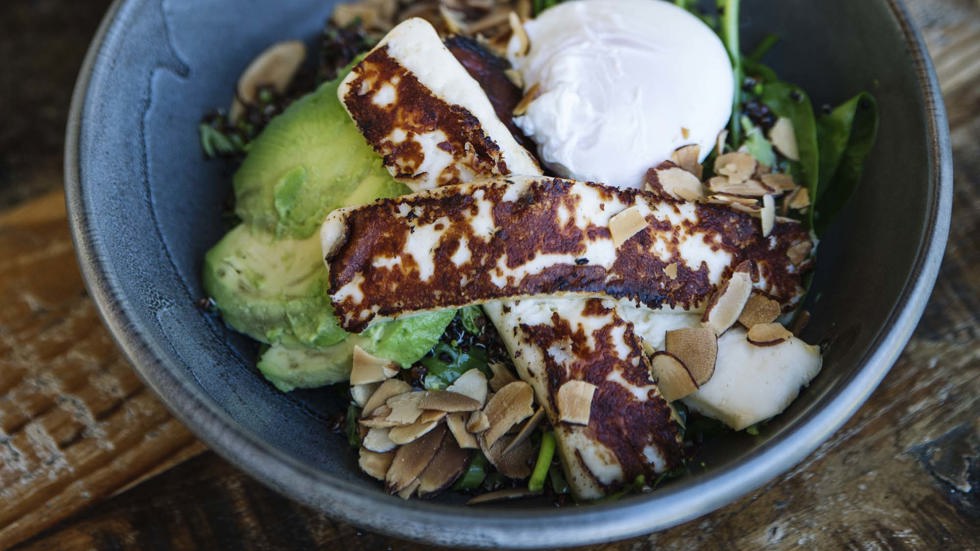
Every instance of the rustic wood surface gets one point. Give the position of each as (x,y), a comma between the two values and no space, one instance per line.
(89,459)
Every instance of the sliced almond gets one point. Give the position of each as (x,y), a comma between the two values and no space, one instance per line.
(725,199)
(478,422)
(473,383)
(670,270)
(361,393)
(375,464)
(737,166)
(386,390)
(378,440)
(409,491)
(720,142)
(728,301)
(274,67)
(687,158)
(377,419)
(768,214)
(783,138)
(768,334)
(799,252)
(501,376)
(680,184)
(747,209)
(532,94)
(431,415)
(457,425)
(526,430)
(449,462)
(411,459)
(696,348)
(779,180)
(501,495)
(626,224)
(673,379)
(445,400)
(405,408)
(748,188)
(516,463)
(759,309)
(409,433)
(575,402)
(368,368)
(800,199)
(511,405)
(517,28)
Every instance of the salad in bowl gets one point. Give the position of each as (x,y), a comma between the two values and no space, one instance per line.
(542,247)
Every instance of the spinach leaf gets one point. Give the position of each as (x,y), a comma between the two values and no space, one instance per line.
(846,136)
(446,362)
(787,100)
(757,144)
(472,319)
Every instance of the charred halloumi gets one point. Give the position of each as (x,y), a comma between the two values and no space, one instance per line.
(428,118)
(631,430)
(523,236)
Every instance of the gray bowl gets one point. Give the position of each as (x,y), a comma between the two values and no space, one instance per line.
(145,206)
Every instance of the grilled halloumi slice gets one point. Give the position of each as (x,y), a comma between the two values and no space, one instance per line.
(524,236)
(428,118)
(630,430)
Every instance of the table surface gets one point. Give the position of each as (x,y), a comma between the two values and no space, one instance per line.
(90,459)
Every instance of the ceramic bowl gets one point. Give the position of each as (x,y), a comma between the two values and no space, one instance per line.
(145,206)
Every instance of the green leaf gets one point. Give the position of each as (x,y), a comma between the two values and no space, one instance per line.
(757,144)
(406,340)
(790,101)
(846,136)
(446,362)
(471,316)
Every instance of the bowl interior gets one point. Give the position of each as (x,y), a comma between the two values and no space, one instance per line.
(146,206)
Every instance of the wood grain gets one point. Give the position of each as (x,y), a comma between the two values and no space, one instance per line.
(81,437)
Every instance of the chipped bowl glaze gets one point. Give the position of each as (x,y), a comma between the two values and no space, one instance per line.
(145,206)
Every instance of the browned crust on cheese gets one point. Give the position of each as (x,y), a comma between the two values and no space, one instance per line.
(416,111)
(618,420)
(528,227)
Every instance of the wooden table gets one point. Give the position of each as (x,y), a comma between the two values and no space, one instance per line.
(90,459)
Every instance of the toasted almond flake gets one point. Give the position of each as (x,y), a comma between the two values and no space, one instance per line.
(478,422)
(725,199)
(516,463)
(799,252)
(409,433)
(411,459)
(671,270)
(501,376)
(453,21)
(378,440)
(409,490)
(748,188)
(727,302)
(768,334)
(387,389)
(575,402)
(737,166)
(444,400)
(457,426)
(449,462)
(687,157)
(783,138)
(680,184)
(696,348)
(511,405)
(274,67)
(370,369)
(501,495)
(517,27)
(361,393)
(720,142)
(761,170)
(378,418)
(673,379)
(759,309)
(800,199)
(515,77)
(526,430)
(375,464)
(648,348)
(747,209)
(768,214)
(431,415)
(532,94)
(626,224)
(779,181)
(473,383)
(405,408)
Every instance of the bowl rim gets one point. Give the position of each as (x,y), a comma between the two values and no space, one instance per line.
(426,522)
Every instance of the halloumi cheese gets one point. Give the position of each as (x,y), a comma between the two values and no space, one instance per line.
(428,118)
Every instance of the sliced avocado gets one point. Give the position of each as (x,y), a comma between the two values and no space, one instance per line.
(308,161)
(274,291)
(289,367)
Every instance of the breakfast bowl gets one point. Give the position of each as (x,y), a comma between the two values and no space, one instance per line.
(145,206)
